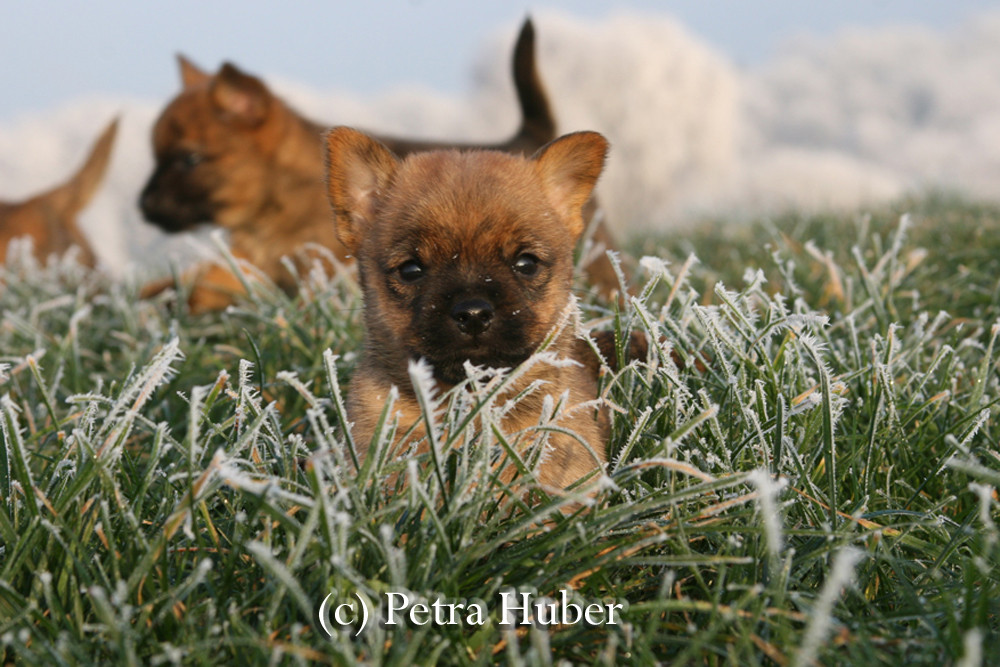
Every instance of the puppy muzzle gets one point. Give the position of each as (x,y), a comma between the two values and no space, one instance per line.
(473,316)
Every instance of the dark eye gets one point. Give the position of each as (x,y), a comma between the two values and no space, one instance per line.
(410,271)
(189,159)
(526,264)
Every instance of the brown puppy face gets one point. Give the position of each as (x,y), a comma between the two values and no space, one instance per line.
(212,146)
(462,255)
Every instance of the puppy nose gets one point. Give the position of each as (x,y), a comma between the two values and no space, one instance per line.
(147,200)
(473,316)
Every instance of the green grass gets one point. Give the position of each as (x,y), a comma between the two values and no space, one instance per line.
(815,483)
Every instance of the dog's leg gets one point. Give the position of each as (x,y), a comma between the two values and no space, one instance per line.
(212,287)
(216,288)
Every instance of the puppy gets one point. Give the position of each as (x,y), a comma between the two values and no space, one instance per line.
(230,152)
(468,256)
(50,218)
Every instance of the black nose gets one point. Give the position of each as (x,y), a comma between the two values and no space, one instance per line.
(148,200)
(473,316)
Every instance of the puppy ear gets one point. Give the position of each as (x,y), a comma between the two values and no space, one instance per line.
(569,167)
(358,170)
(192,76)
(239,96)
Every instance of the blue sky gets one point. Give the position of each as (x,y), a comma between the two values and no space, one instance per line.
(53,51)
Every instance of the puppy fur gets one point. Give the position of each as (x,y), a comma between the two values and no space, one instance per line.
(468,256)
(230,152)
(50,218)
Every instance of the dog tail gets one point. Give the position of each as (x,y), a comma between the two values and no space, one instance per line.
(70,197)
(537,124)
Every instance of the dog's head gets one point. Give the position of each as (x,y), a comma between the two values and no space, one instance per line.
(462,255)
(212,144)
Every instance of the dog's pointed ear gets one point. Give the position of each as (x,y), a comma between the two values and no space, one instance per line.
(192,76)
(239,96)
(358,170)
(569,167)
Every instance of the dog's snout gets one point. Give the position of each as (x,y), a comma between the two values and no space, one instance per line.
(147,200)
(473,316)
(151,199)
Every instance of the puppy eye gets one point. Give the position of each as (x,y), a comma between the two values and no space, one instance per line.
(189,160)
(410,271)
(526,264)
